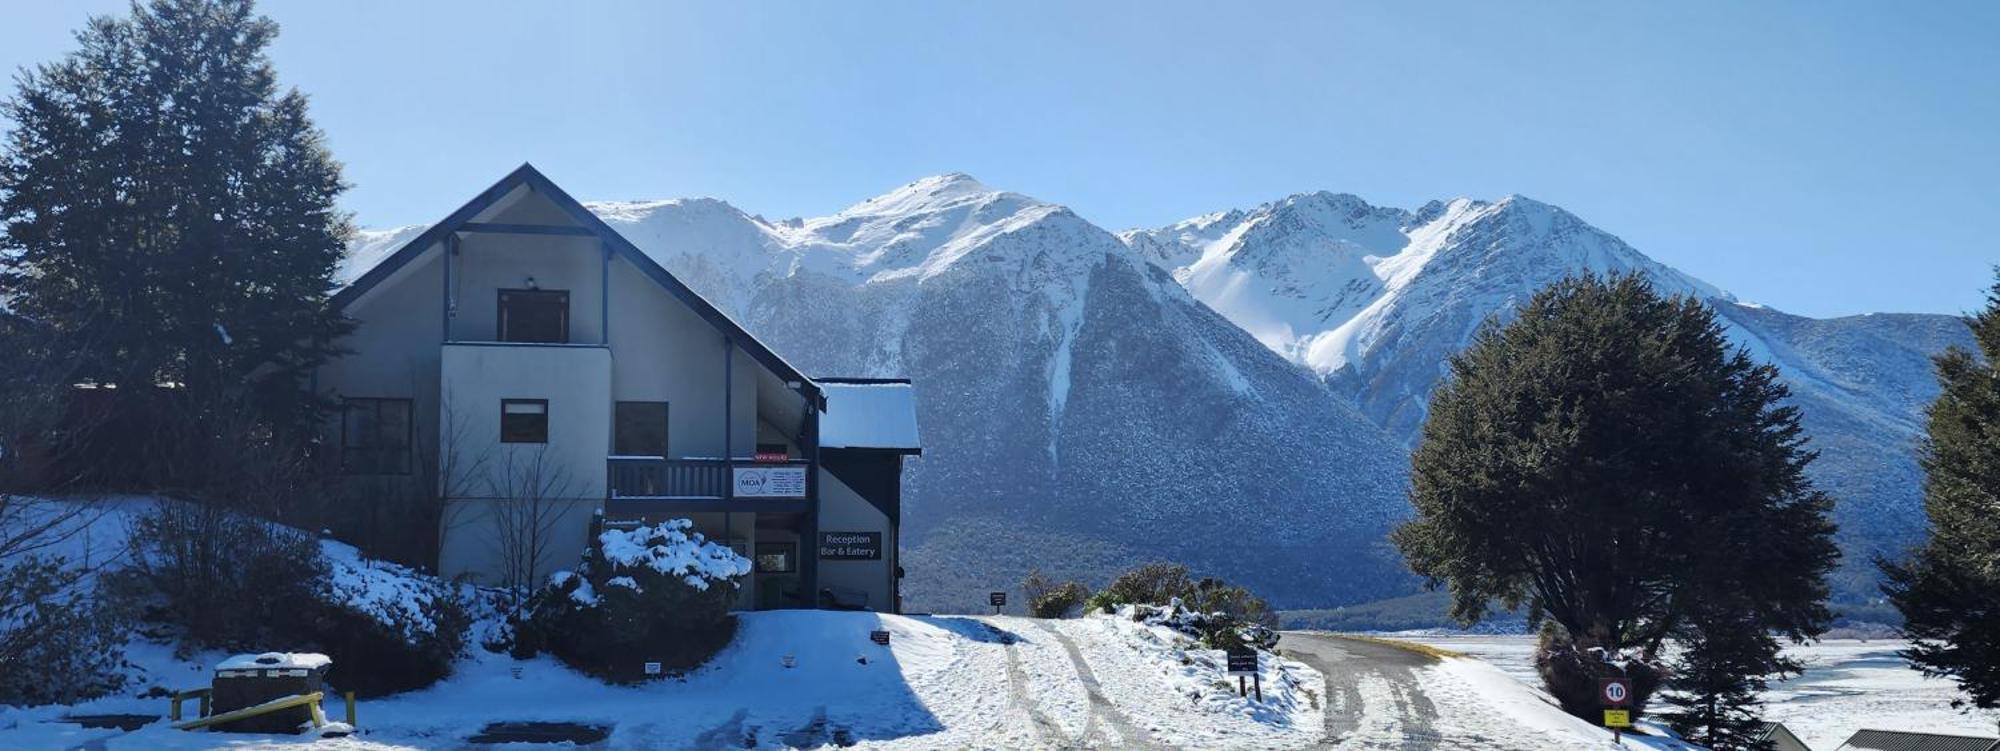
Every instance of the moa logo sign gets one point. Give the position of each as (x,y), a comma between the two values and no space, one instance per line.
(780,481)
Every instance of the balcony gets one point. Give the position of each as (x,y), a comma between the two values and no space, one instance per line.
(643,482)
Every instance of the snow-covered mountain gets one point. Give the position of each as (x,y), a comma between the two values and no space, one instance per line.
(1081,412)
(1375,300)
(1235,391)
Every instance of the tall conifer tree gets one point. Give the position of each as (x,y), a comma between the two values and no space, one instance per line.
(1949,589)
(170,209)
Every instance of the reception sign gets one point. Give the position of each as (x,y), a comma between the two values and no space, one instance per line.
(775,481)
(850,546)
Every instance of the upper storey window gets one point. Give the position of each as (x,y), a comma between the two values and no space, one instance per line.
(534,315)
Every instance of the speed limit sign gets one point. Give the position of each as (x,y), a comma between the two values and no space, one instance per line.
(1615,692)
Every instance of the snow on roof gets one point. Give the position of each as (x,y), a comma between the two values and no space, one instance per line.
(869,415)
(286,660)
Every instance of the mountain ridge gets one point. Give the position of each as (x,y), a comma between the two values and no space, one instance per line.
(1094,398)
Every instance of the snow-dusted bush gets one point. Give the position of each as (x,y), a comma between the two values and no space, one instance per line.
(1216,630)
(1047,599)
(1220,614)
(1150,584)
(60,641)
(226,580)
(658,594)
(388,628)
(1573,669)
(229,581)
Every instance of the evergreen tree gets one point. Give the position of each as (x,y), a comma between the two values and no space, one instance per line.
(1609,463)
(1949,589)
(170,210)
(1724,665)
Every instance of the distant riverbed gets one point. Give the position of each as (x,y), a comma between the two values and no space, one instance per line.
(1848,684)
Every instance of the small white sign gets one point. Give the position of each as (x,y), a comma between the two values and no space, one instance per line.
(652,668)
(777,481)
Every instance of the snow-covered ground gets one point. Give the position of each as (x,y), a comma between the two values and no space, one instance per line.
(943,682)
(1847,685)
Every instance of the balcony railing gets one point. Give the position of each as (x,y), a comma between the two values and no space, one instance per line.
(645,477)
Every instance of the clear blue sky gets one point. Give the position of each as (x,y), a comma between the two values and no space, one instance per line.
(1822,157)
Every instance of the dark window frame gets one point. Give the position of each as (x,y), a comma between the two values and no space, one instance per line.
(509,436)
(791,553)
(666,427)
(350,447)
(500,313)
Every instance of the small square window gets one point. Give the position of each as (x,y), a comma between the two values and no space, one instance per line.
(777,557)
(375,436)
(524,421)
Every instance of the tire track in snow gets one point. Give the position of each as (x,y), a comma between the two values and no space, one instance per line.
(1047,732)
(1374,698)
(1130,735)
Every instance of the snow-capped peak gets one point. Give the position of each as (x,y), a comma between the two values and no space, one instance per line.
(928,194)
(1324,278)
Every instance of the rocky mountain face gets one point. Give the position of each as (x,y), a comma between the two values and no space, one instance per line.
(1081,412)
(1237,391)
(1375,300)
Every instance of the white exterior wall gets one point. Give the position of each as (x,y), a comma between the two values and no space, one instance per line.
(498,482)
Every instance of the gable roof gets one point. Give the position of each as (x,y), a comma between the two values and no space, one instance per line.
(1893,740)
(534,180)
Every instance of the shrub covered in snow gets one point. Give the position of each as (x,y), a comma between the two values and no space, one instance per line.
(234,582)
(1216,630)
(60,641)
(1047,599)
(1217,612)
(1573,668)
(388,628)
(658,594)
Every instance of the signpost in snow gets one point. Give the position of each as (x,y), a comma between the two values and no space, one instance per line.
(1242,662)
(879,637)
(998,600)
(1616,694)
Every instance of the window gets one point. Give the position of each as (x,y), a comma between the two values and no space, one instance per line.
(524,421)
(777,557)
(639,429)
(534,315)
(375,436)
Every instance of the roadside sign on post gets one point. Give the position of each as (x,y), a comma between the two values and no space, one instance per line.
(879,637)
(998,600)
(1615,692)
(1242,662)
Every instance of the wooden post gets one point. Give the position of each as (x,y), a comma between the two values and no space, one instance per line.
(350,709)
(1240,690)
(1258,681)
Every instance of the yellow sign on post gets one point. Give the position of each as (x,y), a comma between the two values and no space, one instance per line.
(1618,718)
